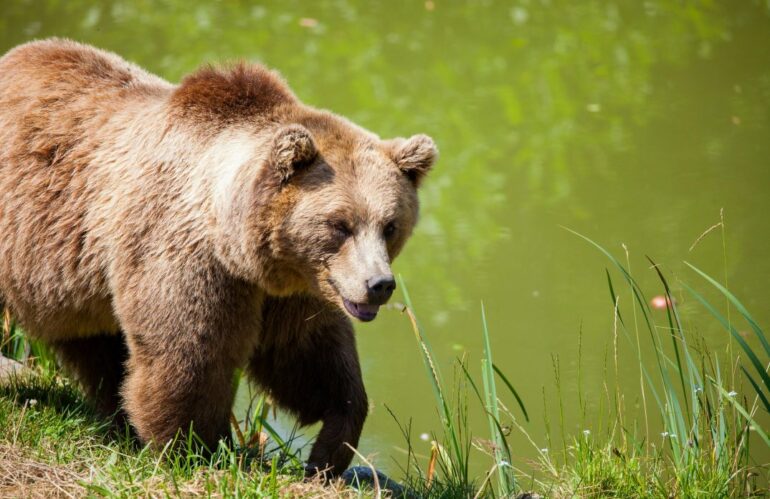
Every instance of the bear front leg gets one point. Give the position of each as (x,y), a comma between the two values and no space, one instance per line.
(342,426)
(307,360)
(187,333)
(167,394)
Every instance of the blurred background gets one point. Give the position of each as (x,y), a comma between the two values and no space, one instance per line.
(636,123)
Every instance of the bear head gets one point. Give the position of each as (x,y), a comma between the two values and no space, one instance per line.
(343,205)
(304,200)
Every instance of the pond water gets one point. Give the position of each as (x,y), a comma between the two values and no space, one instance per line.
(634,123)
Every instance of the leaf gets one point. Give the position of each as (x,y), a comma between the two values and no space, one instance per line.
(512,390)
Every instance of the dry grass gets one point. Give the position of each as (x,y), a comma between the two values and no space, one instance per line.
(23,476)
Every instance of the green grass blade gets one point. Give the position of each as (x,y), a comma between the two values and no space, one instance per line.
(473,383)
(434,375)
(614,295)
(739,407)
(638,294)
(745,346)
(512,390)
(630,341)
(672,311)
(280,441)
(427,356)
(720,431)
(501,451)
(758,389)
(738,305)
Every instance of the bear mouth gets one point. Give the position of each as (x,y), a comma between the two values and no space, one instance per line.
(361,311)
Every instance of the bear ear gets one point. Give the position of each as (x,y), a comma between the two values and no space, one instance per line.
(292,150)
(414,156)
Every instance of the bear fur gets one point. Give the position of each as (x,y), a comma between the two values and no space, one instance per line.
(158,237)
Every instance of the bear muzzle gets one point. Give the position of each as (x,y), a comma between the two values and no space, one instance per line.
(378,292)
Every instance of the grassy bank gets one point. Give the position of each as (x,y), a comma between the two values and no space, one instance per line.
(52,445)
(692,432)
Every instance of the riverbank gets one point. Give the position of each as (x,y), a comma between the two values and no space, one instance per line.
(52,445)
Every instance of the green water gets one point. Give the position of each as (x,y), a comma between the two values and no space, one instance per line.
(632,122)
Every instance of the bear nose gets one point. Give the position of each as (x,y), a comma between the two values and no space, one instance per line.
(380,288)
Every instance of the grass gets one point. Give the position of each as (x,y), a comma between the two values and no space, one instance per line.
(701,416)
(53,445)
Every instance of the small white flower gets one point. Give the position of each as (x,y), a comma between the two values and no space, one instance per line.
(503,463)
(586,432)
(664,434)
(732,394)
(424,437)
(544,450)
(32,402)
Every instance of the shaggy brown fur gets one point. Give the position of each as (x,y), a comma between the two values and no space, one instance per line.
(158,237)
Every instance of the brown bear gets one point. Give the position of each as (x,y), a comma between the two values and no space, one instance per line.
(158,237)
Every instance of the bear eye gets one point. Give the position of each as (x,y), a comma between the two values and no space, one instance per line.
(389,230)
(340,228)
